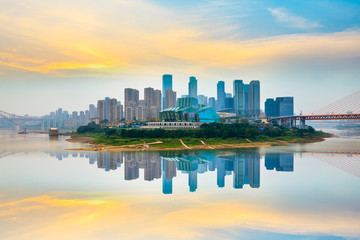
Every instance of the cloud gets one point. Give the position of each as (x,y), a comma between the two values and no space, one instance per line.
(70,216)
(284,16)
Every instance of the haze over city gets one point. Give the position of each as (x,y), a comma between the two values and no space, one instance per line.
(61,54)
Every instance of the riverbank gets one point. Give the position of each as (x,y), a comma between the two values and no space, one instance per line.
(99,144)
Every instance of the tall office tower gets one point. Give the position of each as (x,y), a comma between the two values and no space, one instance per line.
(202,99)
(239,97)
(112,110)
(286,106)
(193,87)
(220,101)
(247,100)
(212,102)
(107,108)
(229,104)
(255,98)
(166,85)
(131,100)
(271,108)
(119,111)
(92,111)
(170,99)
(101,106)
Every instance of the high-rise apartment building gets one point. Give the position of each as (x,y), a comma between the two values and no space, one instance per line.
(166,85)
(141,111)
(112,110)
(101,110)
(193,87)
(220,101)
(131,101)
(92,111)
(255,98)
(119,111)
(239,97)
(170,99)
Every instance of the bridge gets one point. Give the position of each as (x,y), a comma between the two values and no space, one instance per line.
(347,108)
(17,120)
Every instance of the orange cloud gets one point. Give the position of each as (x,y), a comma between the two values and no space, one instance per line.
(139,217)
(122,36)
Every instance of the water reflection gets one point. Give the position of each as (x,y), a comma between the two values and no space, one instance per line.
(244,166)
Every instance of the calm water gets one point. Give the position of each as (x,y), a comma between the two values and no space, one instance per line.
(309,191)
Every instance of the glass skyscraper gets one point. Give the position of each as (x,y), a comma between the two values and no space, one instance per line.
(255,98)
(239,97)
(282,106)
(220,104)
(193,87)
(166,85)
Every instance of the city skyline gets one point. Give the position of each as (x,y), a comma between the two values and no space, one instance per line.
(300,49)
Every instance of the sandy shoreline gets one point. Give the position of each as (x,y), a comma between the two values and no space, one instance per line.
(153,147)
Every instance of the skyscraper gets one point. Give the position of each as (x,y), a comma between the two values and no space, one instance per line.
(247,100)
(119,111)
(131,101)
(101,110)
(239,97)
(220,103)
(112,110)
(286,106)
(92,111)
(193,87)
(166,85)
(255,98)
(282,106)
(107,108)
(271,108)
(170,99)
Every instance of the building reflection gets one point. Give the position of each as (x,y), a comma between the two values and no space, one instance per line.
(244,165)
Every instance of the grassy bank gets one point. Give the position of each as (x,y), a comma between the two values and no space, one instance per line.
(288,135)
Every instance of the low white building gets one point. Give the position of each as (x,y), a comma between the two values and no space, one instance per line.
(172,125)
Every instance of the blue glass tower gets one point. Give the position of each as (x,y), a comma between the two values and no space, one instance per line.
(107,108)
(166,85)
(220,95)
(239,97)
(193,87)
(254,98)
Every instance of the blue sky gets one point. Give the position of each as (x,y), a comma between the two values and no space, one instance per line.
(306,49)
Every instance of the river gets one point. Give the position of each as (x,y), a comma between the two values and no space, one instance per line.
(301,191)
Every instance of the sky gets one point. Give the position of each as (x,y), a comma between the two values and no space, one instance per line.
(71,53)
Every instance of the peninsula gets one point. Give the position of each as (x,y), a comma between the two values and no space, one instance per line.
(208,136)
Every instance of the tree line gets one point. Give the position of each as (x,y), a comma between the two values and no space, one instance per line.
(209,130)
